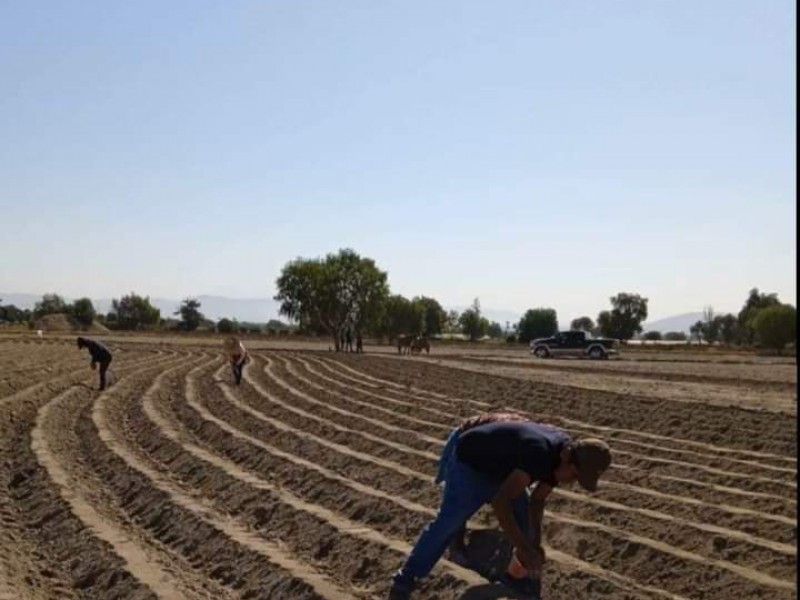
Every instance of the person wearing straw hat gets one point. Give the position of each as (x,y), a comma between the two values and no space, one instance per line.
(513,463)
(238,357)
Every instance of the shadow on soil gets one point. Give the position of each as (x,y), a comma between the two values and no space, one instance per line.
(488,553)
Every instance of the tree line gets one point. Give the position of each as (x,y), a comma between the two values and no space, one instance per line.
(132,312)
(344,291)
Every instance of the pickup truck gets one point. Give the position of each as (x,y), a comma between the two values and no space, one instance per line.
(574,343)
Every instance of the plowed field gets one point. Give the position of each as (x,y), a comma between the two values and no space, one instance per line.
(313,478)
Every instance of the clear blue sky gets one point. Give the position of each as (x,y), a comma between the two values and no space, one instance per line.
(528,153)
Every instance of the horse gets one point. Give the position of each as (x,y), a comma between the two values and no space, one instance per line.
(404,343)
(419,344)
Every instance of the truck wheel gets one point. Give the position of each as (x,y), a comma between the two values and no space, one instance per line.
(597,353)
(541,352)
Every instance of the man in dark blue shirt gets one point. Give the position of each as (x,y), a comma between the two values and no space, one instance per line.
(100,354)
(495,458)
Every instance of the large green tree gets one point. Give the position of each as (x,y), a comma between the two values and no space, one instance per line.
(433,315)
(343,290)
(710,326)
(625,318)
(13,314)
(537,323)
(226,325)
(776,326)
(50,304)
(472,322)
(754,303)
(582,324)
(190,314)
(675,336)
(83,312)
(728,329)
(401,316)
(495,330)
(133,312)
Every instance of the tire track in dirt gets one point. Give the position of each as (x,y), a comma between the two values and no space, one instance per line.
(561,558)
(235,531)
(753,575)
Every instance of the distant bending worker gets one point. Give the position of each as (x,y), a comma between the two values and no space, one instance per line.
(100,354)
(238,357)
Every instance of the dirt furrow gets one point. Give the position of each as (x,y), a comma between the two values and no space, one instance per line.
(777,488)
(329,545)
(744,467)
(782,531)
(50,553)
(300,576)
(48,441)
(400,410)
(752,538)
(676,537)
(722,424)
(752,433)
(618,368)
(294,481)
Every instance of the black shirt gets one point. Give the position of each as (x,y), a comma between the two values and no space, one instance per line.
(496,449)
(98,350)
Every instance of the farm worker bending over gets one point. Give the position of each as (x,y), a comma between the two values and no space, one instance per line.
(100,354)
(238,356)
(494,458)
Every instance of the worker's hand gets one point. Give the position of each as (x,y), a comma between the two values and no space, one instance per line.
(94,365)
(532,558)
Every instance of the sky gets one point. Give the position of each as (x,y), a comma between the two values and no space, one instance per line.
(530,154)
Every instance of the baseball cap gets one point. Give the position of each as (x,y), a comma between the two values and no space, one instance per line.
(591,458)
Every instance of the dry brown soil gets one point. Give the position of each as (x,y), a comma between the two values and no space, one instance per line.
(313,478)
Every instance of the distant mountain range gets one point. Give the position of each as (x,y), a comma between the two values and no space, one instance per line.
(675,323)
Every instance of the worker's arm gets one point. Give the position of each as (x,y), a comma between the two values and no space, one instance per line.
(536,511)
(503,505)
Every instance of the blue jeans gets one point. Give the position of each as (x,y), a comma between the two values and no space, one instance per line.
(238,367)
(465,491)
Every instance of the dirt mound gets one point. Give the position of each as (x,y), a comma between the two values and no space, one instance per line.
(56,322)
(63,322)
(97,327)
